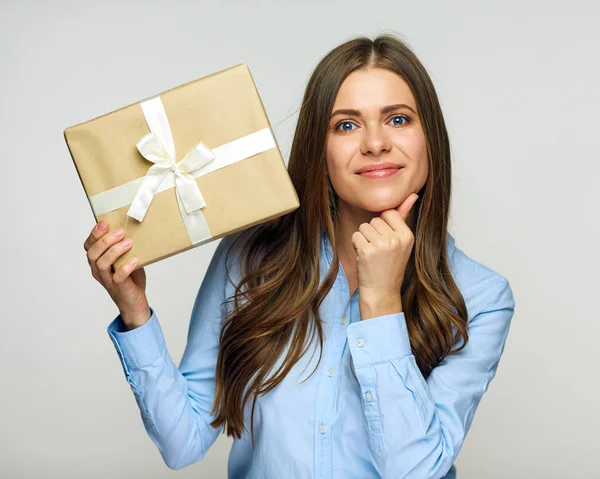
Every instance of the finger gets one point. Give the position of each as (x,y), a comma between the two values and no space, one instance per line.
(359,241)
(407,204)
(101,245)
(97,232)
(97,249)
(381,226)
(394,219)
(106,261)
(368,232)
(123,274)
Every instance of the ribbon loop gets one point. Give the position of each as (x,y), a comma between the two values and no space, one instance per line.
(151,148)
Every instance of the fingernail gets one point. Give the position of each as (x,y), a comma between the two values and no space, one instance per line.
(102,225)
(126,243)
(119,233)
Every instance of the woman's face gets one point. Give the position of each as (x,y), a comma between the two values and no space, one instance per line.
(370,135)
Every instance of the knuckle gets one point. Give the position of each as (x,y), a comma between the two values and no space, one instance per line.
(110,239)
(105,241)
(117,249)
(96,276)
(103,266)
(121,275)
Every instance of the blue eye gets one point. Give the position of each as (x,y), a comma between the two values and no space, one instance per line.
(343,123)
(403,117)
(348,122)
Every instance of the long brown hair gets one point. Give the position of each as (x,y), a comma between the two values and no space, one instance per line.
(276,304)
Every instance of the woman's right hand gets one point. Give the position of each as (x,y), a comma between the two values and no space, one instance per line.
(126,287)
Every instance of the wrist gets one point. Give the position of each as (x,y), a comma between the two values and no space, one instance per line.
(133,320)
(373,305)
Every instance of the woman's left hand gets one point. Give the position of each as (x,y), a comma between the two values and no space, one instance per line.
(383,248)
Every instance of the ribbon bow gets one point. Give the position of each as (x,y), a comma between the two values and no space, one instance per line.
(158,147)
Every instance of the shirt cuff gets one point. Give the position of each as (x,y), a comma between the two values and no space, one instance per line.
(141,346)
(378,339)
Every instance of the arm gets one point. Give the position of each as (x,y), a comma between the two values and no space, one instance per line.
(175,403)
(417,426)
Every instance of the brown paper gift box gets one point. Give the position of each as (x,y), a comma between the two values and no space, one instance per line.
(215,110)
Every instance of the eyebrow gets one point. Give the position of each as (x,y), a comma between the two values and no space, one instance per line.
(385,109)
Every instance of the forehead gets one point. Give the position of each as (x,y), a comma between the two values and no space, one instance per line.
(370,89)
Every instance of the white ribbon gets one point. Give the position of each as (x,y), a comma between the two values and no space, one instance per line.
(158,147)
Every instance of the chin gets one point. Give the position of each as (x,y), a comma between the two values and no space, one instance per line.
(383,201)
(376,207)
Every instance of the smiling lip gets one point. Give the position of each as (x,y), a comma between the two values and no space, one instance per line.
(378,166)
(379,170)
(380,173)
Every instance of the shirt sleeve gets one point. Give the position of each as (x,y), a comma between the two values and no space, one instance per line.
(417,426)
(175,402)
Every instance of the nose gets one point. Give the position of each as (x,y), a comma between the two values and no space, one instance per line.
(375,140)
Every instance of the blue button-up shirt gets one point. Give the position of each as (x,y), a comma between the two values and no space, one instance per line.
(388,421)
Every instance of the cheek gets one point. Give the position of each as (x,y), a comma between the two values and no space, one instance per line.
(416,149)
(340,152)
(336,167)
(336,158)
(340,146)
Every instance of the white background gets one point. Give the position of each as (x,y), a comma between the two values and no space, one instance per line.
(518,83)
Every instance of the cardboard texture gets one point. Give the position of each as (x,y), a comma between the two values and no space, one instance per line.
(215,109)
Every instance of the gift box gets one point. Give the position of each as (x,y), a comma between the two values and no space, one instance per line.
(185,167)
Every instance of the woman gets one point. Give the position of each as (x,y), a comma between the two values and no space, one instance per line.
(409,329)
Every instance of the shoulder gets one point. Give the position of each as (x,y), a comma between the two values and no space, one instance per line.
(228,254)
(483,288)
(230,246)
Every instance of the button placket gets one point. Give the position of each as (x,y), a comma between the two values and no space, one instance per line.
(327,393)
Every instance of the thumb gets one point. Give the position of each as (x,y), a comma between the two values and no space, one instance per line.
(406,206)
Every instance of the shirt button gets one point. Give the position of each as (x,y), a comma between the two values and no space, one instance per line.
(343,320)
(323,428)
(360,342)
(368,397)
(330,373)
